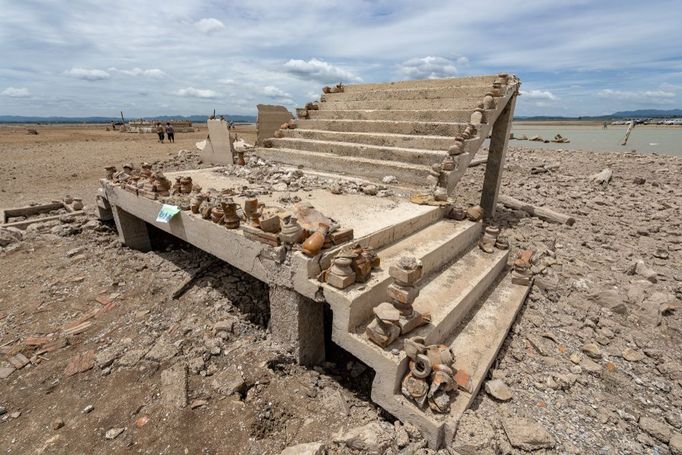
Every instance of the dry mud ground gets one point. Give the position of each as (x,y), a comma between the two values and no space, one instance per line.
(593,360)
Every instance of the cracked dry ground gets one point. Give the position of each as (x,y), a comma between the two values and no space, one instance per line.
(593,357)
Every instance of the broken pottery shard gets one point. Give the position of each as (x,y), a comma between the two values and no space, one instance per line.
(80,363)
(382,333)
(405,295)
(387,312)
(415,389)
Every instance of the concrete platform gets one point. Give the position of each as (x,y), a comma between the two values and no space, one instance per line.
(468,293)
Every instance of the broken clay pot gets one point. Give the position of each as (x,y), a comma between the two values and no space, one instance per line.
(291,231)
(231,218)
(314,243)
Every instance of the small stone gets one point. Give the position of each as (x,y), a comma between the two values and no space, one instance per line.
(498,390)
(475,213)
(527,435)
(197,403)
(591,350)
(57,423)
(229,381)
(590,365)
(113,433)
(655,428)
(88,409)
(174,386)
(5,372)
(631,355)
(576,358)
(371,438)
(370,190)
(675,443)
(310,448)
(3,410)
(15,414)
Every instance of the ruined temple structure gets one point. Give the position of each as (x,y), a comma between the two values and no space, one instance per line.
(421,293)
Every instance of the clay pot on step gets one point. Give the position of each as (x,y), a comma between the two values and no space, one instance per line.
(440,194)
(186,185)
(251,212)
(216,214)
(291,231)
(195,202)
(314,243)
(230,215)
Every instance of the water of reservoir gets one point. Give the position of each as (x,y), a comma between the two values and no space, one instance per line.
(643,138)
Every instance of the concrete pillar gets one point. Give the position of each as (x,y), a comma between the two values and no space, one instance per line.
(297,323)
(499,138)
(131,230)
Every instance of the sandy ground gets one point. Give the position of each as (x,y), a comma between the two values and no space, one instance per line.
(592,362)
(70,159)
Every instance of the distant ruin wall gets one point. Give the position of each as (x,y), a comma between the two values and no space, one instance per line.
(270,118)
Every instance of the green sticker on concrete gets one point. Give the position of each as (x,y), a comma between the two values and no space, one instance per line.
(167,212)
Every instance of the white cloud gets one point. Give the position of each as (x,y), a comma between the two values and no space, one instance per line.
(209,25)
(644,95)
(192,92)
(88,74)
(153,72)
(320,71)
(274,92)
(539,94)
(227,81)
(462,61)
(429,67)
(14,92)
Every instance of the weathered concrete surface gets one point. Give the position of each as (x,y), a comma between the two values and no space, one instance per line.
(297,323)
(219,149)
(270,118)
(131,229)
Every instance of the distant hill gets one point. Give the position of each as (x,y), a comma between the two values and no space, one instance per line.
(193,118)
(642,113)
(656,113)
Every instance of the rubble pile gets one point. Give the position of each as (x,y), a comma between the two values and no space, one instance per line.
(96,355)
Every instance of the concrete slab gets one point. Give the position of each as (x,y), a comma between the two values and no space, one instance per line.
(219,149)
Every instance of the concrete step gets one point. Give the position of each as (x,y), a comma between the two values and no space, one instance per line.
(435,245)
(375,152)
(412,174)
(423,83)
(419,104)
(385,126)
(475,91)
(413,141)
(442,115)
(450,295)
(478,340)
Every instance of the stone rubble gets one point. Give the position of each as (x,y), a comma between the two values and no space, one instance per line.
(593,359)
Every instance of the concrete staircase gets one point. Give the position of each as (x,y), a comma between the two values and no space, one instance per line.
(402,129)
(468,293)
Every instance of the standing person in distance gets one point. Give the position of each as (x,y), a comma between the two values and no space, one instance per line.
(170,132)
(159,131)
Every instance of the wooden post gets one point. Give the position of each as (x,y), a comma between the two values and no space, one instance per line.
(499,138)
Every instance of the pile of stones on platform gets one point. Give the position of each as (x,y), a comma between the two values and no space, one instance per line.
(270,177)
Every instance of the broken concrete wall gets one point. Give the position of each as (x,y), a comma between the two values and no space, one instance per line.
(219,149)
(270,118)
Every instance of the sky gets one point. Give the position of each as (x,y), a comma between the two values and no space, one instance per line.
(96,58)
